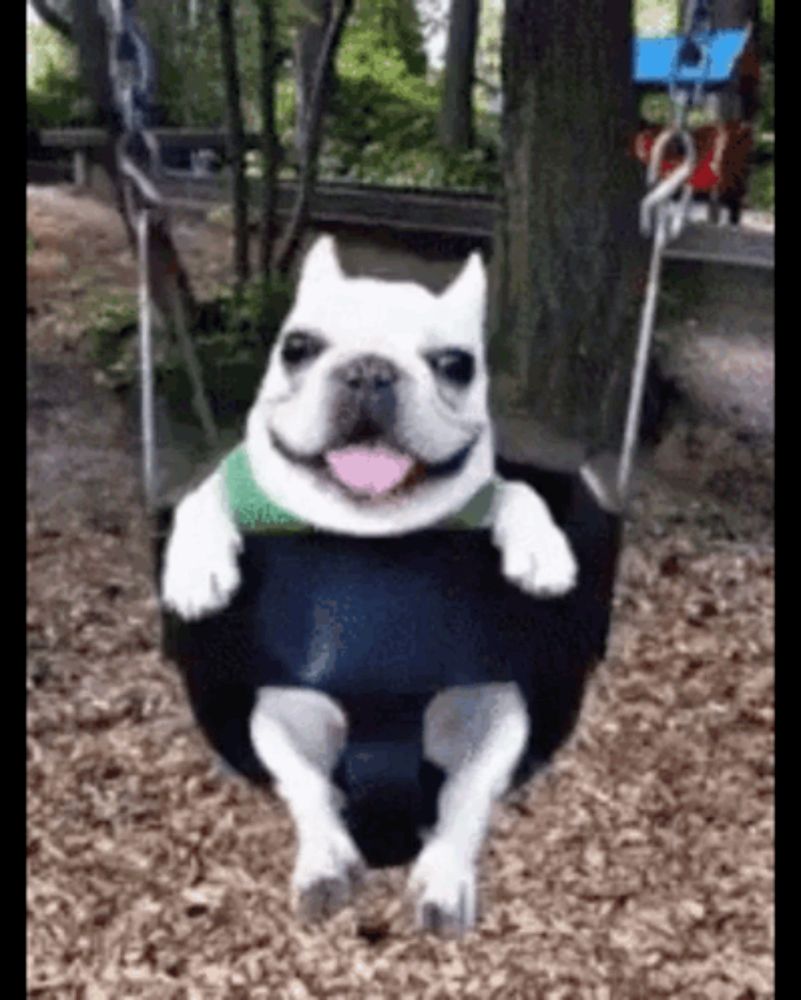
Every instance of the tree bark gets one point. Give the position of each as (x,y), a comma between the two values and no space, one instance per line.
(456,113)
(236,139)
(53,18)
(568,255)
(270,148)
(309,42)
(310,151)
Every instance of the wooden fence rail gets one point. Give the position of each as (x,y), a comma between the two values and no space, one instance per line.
(463,215)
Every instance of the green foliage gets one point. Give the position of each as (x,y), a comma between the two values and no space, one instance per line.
(190,89)
(767,31)
(190,85)
(383,124)
(392,25)
(232,336)
(488,53)
(767,99)
(232,339)
(656,17)
(55,94)
(255,312)
(111,340)
(761,193)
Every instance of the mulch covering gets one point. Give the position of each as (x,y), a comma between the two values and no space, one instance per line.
(640,866)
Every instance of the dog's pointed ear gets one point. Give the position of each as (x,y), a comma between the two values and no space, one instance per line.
(466,296)
(321,264)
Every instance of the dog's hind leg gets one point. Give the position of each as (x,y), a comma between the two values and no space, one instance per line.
(477,736)
(298,735)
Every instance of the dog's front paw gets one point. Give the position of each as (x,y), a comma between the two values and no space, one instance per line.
(327,875)
(199,580)
(443,887)
(542,566)
(535,553)
(201,568)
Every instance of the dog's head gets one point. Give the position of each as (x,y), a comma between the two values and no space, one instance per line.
(372,417)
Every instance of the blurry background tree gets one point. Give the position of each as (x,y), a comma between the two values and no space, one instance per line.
(235,128)
(456,113)
(57,14)
(311,135)
(56,96)
(270,58)
(567,247)
(312,17)
(386,112)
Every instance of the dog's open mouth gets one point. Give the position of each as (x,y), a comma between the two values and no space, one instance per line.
(374,470)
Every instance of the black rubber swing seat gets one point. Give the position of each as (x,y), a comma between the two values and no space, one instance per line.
(382,625)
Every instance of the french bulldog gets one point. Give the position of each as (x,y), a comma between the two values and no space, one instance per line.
(372,420)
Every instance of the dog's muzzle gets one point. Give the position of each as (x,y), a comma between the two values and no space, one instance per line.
(366,399)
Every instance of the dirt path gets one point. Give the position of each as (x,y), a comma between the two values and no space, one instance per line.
(640,866)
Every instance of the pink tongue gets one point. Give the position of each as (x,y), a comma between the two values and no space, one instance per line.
(372,471)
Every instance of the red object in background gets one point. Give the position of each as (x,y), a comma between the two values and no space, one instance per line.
(723,152)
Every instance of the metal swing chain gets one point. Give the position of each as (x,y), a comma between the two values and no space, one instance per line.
(693,50)
(132,73)
(133,76)
(664,210)
(147,410)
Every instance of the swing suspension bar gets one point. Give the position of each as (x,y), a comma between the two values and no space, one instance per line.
(132,73)
(132,69)
(693,51)
(133,78)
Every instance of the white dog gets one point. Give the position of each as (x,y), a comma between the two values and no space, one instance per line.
(372,420)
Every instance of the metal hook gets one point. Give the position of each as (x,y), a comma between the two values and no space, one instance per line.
(662,191)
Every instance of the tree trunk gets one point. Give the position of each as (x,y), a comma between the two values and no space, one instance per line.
(568,255)
(310,151)
(308,46)
(456,113)
(270,149)
(236,139)
(53,18)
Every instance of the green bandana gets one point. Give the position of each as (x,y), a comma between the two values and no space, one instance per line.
(254,511)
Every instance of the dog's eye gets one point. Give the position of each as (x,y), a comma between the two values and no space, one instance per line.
(454,365)
(299,347)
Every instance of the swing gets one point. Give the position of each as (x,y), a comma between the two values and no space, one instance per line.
(703,60)
(384,624)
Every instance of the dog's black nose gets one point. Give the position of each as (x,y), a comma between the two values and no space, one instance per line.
(368,374)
